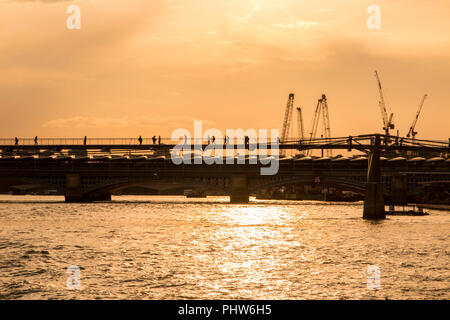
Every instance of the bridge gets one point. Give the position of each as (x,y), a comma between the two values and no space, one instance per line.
(87,171)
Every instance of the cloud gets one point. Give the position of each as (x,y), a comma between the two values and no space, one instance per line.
(296,24)
(250,15)
(211,32)
(323,10)
(119,123)
(43,1)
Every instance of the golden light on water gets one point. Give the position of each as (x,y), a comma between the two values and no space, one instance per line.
(172,248)
(249,238)
(251,215)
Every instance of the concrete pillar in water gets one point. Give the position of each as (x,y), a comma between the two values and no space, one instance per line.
(374,201)
(97,196)
(239,190)
(73,192)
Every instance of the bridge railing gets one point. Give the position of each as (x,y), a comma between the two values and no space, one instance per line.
(78,141)
(362,142)
(108,141)
(392,142)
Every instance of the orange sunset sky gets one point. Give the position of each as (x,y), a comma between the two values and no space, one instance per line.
(147,67)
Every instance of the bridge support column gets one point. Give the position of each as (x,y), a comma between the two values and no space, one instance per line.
(239,190)
(374,201)
(73,192)
(97,196)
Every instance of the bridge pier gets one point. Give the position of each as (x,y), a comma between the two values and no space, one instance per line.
(239,189)
(374,201)
(74,193)
(87,197)
(96,196)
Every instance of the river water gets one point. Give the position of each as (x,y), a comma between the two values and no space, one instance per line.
(139,247)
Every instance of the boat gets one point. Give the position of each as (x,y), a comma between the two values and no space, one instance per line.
(434,206)
(412,211)
(189,193)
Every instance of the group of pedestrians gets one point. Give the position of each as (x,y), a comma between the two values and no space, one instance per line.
(226,140)
(154,139)
(212,140)
(16,141)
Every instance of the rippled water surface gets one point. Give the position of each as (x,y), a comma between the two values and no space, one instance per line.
(138,247)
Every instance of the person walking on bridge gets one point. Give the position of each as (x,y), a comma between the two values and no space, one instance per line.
(154,139)
(16,141)
(159,139)
(85,140)
(140,140)
(36,140)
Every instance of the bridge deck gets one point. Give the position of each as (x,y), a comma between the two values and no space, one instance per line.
(361,142)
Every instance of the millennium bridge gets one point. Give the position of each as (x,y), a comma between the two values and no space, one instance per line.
(388,170)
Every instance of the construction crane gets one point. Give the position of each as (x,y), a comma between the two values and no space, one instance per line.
(326,120)
(287,120)
(321,109)
(301,131)
(315,122)
(387,121)
(300,128)
(411,131)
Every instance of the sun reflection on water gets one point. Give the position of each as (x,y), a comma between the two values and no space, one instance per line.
(172,248)
(248,249)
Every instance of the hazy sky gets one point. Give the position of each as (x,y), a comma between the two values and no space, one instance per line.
(146,67)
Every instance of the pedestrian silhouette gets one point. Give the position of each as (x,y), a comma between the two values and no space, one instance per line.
(213,139)
(36,140)
(16,141)
(140,140)
(159,139)
(85,140)
(154,139)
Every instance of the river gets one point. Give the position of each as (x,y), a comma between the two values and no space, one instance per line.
(148,247)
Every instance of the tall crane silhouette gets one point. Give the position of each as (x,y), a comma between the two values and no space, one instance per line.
(287,120)
(300,128)
(387,120)
(321,109)
(411,131)
(301,131)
